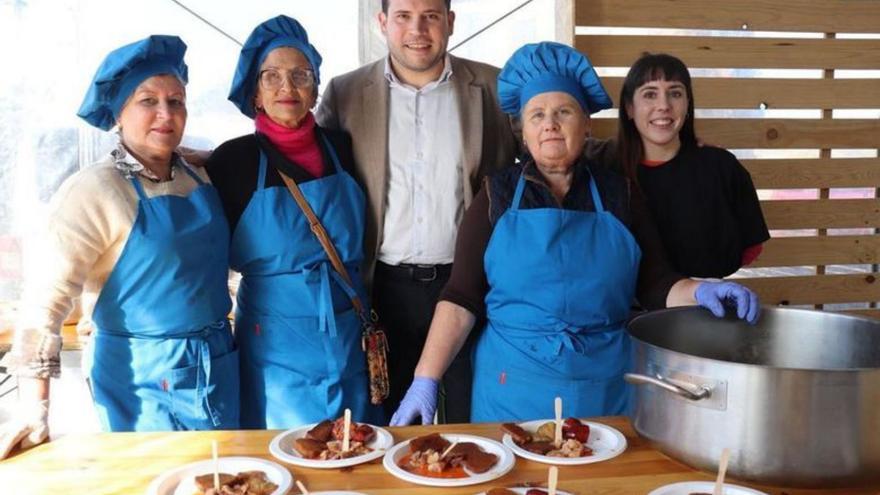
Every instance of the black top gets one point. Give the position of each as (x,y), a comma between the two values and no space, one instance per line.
(706,209)
(468,284)
(234,167)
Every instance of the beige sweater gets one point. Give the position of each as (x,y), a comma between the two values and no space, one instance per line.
(90,218)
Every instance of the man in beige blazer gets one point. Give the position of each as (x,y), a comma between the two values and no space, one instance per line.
(426,128)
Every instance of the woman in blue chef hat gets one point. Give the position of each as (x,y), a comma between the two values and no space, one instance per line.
(552,251)
(298,331)
(141,238)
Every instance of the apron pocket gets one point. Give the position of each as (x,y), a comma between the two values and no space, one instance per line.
(207,403)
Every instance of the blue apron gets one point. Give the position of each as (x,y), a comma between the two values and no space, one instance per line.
(299,337)
(163,357)
(561,283)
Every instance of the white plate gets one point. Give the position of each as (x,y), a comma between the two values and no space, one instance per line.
(181,481)
(523,490)
(282,449)
(688,487)
(605,441)
(506,459)
(336,493)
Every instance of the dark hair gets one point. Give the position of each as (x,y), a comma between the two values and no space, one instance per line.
(650,67)
(385,5)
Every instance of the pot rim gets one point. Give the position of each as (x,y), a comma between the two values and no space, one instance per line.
(681,309)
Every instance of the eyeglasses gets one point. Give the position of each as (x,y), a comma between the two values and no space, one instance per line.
(271,79)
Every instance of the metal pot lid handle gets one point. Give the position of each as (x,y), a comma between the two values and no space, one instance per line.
(701,392)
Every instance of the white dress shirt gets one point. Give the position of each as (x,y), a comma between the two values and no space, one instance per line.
(425,199)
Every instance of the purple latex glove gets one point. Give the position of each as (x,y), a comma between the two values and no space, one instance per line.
(420,400)
(715,295)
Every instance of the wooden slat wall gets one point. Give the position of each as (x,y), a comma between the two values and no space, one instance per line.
(739,53)
(800,227)
(802,174)
(717,92)
(777,133)
(825,16)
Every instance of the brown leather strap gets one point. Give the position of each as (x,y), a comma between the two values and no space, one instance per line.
(324,239)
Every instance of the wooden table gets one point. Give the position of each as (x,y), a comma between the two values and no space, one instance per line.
(125,463)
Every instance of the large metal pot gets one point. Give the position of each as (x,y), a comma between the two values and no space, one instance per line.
(796,398)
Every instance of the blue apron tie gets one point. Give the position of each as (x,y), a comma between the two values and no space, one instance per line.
(326,314)
(326,311)
(568,340)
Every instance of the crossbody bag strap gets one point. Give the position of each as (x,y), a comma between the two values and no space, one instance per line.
(324,238)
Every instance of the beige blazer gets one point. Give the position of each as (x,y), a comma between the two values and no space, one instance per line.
(357,102)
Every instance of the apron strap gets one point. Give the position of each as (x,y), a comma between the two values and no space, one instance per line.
(517,195)
(139,188)
(202,388)
(333,157)
(597,200)
(192,174)
(594,191)
(326,312)
(261,175)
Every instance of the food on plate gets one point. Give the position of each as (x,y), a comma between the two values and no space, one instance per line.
(473,457)
(574,438)
(573,428)
(519,435)
(426,458)
(244,483)
(324,441)
(547,431)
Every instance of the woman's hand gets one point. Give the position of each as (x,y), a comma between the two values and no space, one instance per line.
(195,157)
(420,400)
(715,295)
(29,427)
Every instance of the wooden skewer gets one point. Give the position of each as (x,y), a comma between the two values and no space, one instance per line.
(345,433)
(722,470)
(552,480)
(302,488)
(216,459)
(557,435)
(448,449)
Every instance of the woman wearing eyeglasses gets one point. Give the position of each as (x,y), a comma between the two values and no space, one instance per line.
(299,337)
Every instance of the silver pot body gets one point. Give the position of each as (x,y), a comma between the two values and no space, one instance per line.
(796,398)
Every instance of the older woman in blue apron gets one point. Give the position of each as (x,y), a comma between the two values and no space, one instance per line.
(560,246)
(299,336)
(142,239)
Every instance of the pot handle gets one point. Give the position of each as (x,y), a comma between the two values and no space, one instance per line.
(702,392)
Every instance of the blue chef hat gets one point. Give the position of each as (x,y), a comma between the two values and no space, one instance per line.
(274,33)
(124,69)
(543,67)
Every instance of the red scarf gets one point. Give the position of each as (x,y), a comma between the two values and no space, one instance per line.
(298,145)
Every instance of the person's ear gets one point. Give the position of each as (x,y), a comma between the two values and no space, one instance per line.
(450,19)
(629,110)
(383,23)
